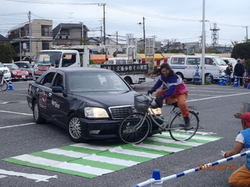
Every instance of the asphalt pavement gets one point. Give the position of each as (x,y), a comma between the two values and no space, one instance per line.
(216,105)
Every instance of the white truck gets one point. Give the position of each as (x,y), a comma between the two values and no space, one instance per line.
(47,59)
(131,71)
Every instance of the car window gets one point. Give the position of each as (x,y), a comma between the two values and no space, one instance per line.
(47,80)
(178,60)
(193,61)
(209,61)
(58,80)
(68,60)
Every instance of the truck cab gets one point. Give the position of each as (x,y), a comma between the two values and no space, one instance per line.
(47,59)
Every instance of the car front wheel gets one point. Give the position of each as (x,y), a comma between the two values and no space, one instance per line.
(36,114)
(75,129)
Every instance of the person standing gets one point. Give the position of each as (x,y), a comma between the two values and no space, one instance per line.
(228,72)
(239,71)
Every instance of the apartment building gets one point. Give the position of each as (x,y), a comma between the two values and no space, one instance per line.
(68,34)
(41,37)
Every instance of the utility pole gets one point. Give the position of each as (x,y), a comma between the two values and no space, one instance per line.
(104,23)
(203,42)
(30,34)
(144,35)
(20,45)
(81,43)
(246,33)
(117,42)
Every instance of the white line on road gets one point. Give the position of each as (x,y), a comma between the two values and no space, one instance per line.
(2,176)
(19,113)
(36,177)
(19,125)
(216,97)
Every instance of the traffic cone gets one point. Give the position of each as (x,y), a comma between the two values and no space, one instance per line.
(10,86)
(248,86)
(236,82)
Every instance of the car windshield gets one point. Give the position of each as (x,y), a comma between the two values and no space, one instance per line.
(48,58)
(96,82)
(12,66)
(23,65)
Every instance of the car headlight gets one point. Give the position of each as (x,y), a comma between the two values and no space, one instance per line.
(95,112)
(155,111)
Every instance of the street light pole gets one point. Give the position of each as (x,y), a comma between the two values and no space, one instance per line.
(30,34)
(104,23)
(20,45)
(203,43)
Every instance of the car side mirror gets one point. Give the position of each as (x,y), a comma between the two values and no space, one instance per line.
(57,89)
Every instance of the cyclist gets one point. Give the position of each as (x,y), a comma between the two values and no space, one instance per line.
(173,91)
(1,76)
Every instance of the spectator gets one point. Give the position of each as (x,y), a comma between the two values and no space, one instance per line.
(241,177)
(228,72)
(1,76)
(239,71)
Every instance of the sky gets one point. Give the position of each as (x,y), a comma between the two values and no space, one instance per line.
(165,19)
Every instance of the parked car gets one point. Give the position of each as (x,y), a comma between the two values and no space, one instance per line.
(6,71)
(25,65)
(185,66)
(89,103)
(18,74)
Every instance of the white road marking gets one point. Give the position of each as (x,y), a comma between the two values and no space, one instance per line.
(193,144)
(216,97)
(19,125)
(92,157)
(62,165)
(214,88)
(159,147)
(194,137)
(94,147)
(134,153)
(12,112)
(36,177)
(2,176)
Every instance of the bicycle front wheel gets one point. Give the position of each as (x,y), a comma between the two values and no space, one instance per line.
(4,86)
(178,133)
(135,128)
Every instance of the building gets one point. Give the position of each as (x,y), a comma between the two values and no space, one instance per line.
(3,39)
(41,37)
(193,47)
(69,34)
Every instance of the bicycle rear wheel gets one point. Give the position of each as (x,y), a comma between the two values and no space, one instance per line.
(4,86)
(134,129)
(178,133)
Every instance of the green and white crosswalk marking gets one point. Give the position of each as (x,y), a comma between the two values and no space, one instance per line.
(89,160)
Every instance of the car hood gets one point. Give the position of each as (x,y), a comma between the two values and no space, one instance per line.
(108,99)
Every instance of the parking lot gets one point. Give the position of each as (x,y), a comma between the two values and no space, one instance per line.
(216,105)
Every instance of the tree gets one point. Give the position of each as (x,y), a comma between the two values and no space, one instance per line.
(241,50)
(7,53)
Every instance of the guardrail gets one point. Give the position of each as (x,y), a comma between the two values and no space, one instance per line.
(157,181)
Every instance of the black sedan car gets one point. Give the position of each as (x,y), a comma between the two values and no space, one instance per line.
(89,103)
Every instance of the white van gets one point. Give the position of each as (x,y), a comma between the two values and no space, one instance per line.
(186,66)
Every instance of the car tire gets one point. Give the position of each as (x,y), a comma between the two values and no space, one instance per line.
(75,129)
(36,114)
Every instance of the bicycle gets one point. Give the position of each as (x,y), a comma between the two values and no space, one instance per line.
(3,83)
(138,126)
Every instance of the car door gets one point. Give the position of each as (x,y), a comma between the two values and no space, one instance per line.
(60,104)
(211,68)
(45,94)
(192,64)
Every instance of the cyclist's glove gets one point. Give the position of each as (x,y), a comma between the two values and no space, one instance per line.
(150,92)
(159,101)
